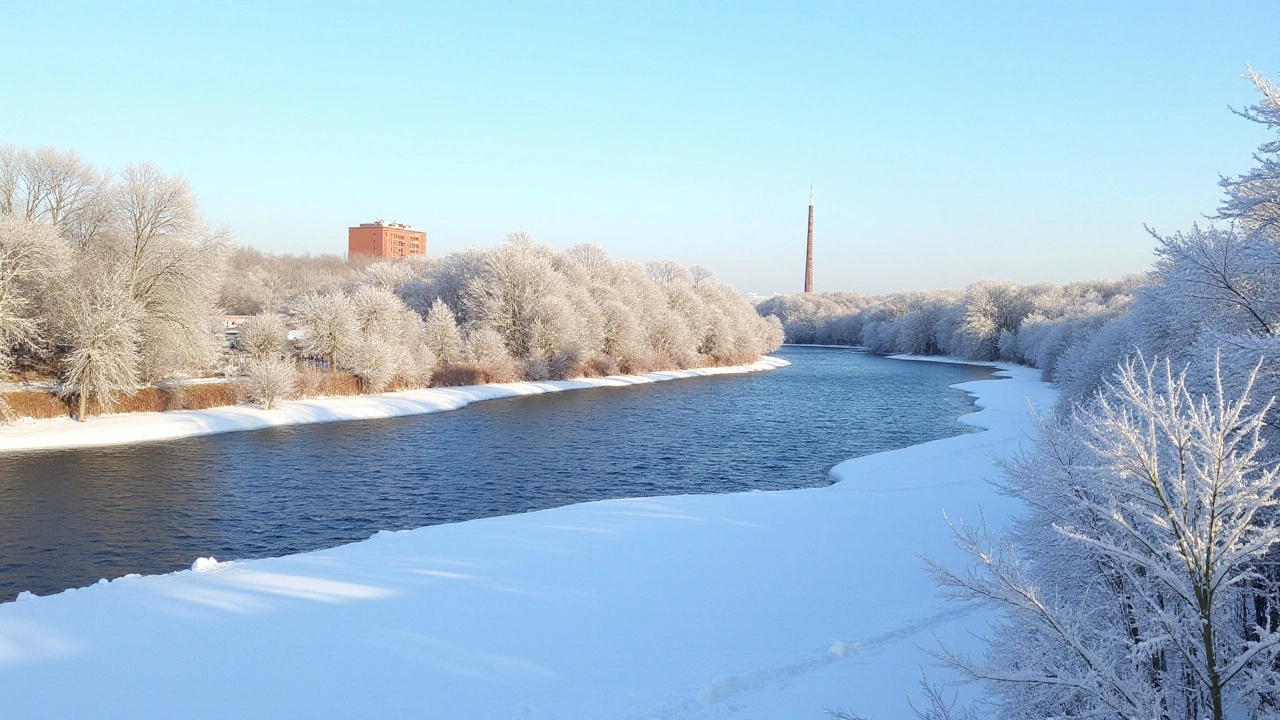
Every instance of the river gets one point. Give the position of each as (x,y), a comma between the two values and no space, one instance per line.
(68,518)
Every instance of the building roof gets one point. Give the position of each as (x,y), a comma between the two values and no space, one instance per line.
(383,223)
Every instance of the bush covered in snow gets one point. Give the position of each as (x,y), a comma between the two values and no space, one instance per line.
(271,379)
(262,336)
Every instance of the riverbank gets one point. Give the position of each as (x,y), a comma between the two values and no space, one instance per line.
(831,347)
(63,433)
(761,604)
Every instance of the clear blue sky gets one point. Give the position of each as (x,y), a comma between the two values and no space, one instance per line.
(947,141)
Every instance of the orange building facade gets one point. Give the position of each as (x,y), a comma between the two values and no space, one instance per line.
(390,241)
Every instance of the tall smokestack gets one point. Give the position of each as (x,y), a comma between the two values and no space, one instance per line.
(808,258)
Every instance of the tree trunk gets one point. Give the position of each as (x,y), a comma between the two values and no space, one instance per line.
(1210,655)
(82,405)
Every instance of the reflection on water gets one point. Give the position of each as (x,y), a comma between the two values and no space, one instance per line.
(68,518)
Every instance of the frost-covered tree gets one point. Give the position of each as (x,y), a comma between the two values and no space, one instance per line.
(262,336)
(374,361)
(446,280)
(622,334)
(53,187)
(390,275)
(271,378)
(329,325)
(369,333)
(102,336)
(486,351)
(1253,199)
(389,340)
(512,295)
(1132,588)
(667,271)
(140,230)
(171,264)
(32,258)
(441,333)
(262,282)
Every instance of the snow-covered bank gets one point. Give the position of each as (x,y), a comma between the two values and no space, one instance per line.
(946,360)
(141,427)
(834,347)
(751,605)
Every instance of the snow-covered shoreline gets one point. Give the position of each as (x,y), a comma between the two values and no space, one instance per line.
(942,359)
(759,604)
(832,347)
(64,433)
(947,360)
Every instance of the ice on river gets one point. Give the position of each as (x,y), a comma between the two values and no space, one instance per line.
(751,605)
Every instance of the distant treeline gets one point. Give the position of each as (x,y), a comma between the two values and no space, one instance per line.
(1036,325)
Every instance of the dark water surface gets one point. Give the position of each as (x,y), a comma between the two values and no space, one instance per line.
(68,518)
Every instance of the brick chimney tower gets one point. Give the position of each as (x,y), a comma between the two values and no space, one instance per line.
(808,258)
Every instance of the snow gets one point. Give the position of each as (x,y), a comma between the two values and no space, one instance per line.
(835,347)
(203,564)
(750,605)
(946,359)
(62,433)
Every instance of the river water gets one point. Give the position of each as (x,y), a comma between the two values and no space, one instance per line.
(68,518)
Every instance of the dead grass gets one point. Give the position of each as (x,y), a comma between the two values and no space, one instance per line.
(202,397)
(456,375)
(40,405)
(339,384)
(36,404)
(310,380)
(598,367)
(314,382)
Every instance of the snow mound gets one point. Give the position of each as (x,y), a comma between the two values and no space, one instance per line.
(203,564)
(843,649)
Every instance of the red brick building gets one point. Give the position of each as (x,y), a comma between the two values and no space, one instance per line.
(390,241)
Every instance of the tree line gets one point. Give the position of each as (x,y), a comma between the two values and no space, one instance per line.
(114,281)
(517,311)
(1038,325)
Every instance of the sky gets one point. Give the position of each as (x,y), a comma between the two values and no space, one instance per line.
(946,142)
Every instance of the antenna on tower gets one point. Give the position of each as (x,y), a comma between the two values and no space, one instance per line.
(810,193)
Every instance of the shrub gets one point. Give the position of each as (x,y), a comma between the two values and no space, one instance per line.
(271,380)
